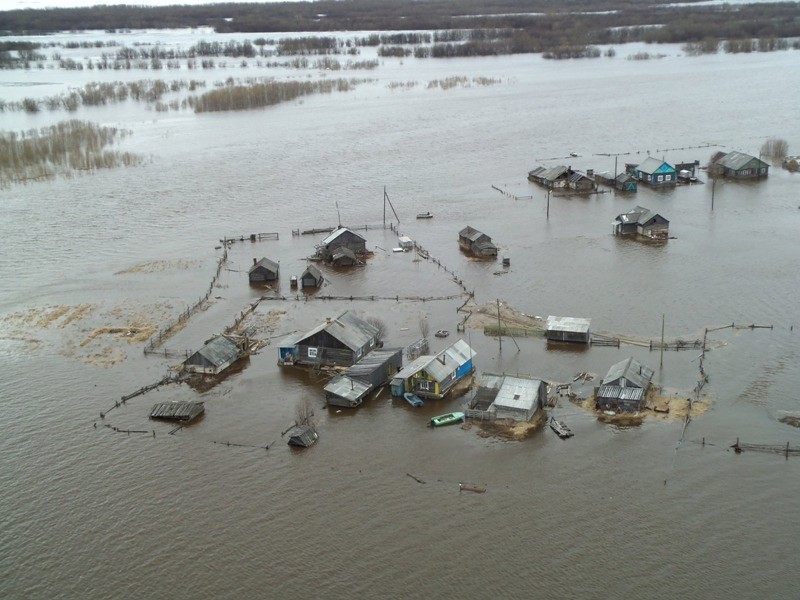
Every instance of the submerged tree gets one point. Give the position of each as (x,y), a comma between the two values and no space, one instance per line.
(380,325)
(775,148)
(303,411)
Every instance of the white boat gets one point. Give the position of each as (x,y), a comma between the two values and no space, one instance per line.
(425,215)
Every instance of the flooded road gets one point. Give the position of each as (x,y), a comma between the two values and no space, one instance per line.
(623,512)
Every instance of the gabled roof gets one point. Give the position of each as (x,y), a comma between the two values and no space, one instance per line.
(449,360)
(337,233)
(218,351)
(414,367)
(639,215)
(471,233)
(573,324)
(342,252)
(554,173)
(736,160)
(349,329)
(654,165)
(578,176)
(312,270)
(268,264)
(635,373)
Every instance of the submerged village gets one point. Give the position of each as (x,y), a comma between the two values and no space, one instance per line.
(356,361)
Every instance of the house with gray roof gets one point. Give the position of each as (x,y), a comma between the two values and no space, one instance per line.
(550,178)
(567,329)
(501,396)
(641,221)
(374,370)
(342,341)
(476,242)
(737,165)
(434,376)
(342,238)
(624,387)
(215,356)
(311,277)
(263,270)
(654,172)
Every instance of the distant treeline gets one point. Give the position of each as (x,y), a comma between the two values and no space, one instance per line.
(538,26)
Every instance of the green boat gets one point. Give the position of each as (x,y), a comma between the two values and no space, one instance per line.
(448,419)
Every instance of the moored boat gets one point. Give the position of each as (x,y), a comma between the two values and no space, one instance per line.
(561,430)
(447,419)
(425,215)
(412,399)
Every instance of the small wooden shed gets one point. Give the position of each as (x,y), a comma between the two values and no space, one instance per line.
(476,242)
(568,329)
(215,356)
(311,277)
(263,270)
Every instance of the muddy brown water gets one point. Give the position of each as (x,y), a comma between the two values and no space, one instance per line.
(613,511)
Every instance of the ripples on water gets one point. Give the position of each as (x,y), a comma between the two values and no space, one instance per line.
(611,512)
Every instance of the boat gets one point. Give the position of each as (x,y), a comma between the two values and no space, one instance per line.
(425,215)
(447,419)
(442,333)
(412,399)
(561,430)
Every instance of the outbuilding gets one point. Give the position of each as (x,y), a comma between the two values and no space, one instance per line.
(480,244)
(501,396)
(215,356)
(567,329)
(374,370)
(624,387)
(263,270)
(311,277)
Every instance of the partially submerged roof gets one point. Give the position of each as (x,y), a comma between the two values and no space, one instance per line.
(313,271)
(338,232)
(343,252)
(374,360)
(572,324)
(639,215)
(471,233)
(653,165)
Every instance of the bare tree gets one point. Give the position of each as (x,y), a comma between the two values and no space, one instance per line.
(378,324)
(303,411)
(424,327)
(775,148)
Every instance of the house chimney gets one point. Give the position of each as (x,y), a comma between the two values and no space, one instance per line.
(255,261)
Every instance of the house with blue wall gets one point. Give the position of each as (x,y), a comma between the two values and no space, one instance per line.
(655,172)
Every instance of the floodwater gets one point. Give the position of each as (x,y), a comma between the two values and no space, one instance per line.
(611,512)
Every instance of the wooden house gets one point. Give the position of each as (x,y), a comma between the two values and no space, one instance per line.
(477,243)
(215,356)
(311,277)
(737,165)
(641,221)
(581,182)
(435,376)
(567,329)
(553,178)
(343,257)
(623,182)
(342,238)
(624,387)
(655,172)
(374,370)
(342,341)
(263,270)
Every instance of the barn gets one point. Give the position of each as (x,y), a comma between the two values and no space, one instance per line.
(263,270)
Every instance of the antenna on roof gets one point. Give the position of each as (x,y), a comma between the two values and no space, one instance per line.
(339,216)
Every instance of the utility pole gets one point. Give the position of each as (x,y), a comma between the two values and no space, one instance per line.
(499,326)
(713,186)
(548,204)
(662,339)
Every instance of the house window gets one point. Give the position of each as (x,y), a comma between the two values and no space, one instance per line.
(424,384)
(312,353)
(660,178)
(667,177)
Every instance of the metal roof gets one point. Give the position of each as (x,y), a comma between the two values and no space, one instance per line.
(651,165)
(639,215)
(573,324)
(554,173)
(348,387)
(632,371)
(414,367)
(290,341)
(519,393)
(374,360)
(268,264)
(616,392)
(449,359)
(218,351)
(737,160)
(349,329)
(471,233)
(343,251)
(335,234)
